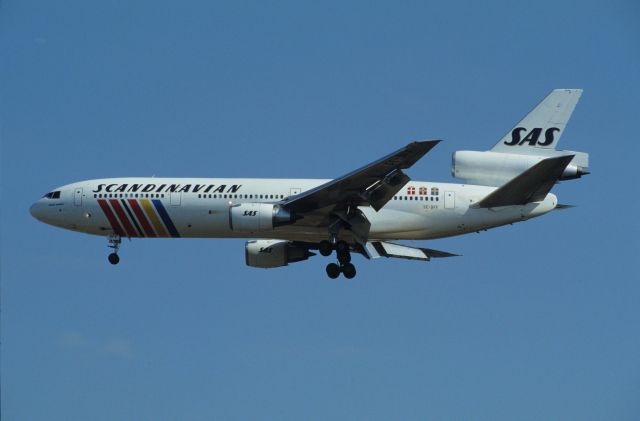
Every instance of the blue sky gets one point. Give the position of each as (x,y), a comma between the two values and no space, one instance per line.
(535,321)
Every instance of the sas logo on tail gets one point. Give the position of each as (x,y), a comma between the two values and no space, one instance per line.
(532,137)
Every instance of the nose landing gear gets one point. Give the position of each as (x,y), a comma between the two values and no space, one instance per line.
(114,243)
(343,254)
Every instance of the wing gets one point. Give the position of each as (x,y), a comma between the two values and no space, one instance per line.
(375,249)
(371,185)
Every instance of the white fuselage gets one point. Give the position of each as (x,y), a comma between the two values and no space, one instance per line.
(190,207)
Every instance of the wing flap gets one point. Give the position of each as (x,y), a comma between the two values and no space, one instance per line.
(380,192)
(385,249)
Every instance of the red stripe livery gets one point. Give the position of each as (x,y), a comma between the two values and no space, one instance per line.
(143,219)
(117,229)
(131,232)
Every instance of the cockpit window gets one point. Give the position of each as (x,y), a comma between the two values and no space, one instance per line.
(53,195)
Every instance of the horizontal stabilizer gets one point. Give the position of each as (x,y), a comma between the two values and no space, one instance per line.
(531,186)
(560,206)
(376,249)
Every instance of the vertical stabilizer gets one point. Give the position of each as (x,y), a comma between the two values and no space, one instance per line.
(543,126)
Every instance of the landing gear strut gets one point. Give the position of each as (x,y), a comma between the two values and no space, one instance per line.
(343,257)
(114,243)
(343,254)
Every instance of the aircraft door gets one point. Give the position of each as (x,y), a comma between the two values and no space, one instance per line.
(175,198)
(77,197)
(449,200)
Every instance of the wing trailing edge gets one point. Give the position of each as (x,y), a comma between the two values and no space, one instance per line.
(375,249)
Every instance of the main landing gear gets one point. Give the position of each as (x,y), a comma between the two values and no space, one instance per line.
(343,254)
(114,243)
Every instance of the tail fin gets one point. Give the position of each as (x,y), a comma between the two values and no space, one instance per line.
(531,186)
(533,139)
(543,126)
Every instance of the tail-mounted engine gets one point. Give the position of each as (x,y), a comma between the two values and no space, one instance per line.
(496,168)
(274,253)
(257,217)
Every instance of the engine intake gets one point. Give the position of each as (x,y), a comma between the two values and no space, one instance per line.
(274,253)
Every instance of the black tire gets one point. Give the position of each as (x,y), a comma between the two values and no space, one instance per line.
(344,257)
(342,246)
(349,271)
(325,248)
(114,258)
(333,270)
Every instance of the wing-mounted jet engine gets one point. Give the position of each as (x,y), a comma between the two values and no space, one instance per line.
(275,253)
(532,140)
(258,217)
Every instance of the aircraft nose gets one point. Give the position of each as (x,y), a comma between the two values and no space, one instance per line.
(36,210)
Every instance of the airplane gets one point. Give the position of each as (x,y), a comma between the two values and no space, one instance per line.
(366,211)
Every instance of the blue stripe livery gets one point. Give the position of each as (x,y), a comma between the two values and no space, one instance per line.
(165,218)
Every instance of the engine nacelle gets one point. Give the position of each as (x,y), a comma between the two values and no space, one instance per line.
(495,168)
(257,217)
(274,253)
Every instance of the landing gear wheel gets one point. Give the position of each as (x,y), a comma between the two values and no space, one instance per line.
(325,248)
(344,257)
(349,271)
(333,270)
(342,246)
(114,258)
(114,244)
